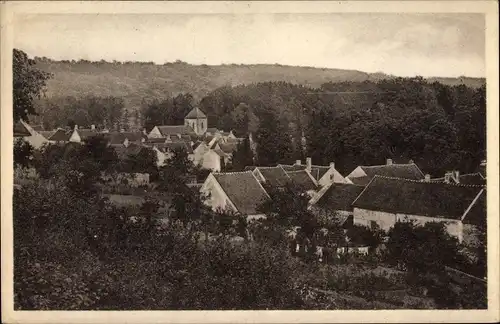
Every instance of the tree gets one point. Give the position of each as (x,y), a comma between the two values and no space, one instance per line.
(23,153)
(422,249)
(274,145)
(28,84)
(286,209)
(243,156)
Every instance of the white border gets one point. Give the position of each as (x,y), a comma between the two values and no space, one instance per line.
(9,9)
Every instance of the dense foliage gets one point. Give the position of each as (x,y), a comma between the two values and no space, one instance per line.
(28,84)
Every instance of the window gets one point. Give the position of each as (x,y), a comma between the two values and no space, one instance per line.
(202,125)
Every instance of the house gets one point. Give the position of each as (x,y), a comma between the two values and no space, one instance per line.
(195,124)
(304,180)
(337,198)
(164,151)
(324,175)
(60,136)
(212,160)
(35,139)
(80,135)
(239,192)
(197,120)
(166,131)
(362,175)
(387,200)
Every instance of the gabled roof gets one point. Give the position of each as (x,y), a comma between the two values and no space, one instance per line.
(318,171)
(243,189)
(47,134)
(86,133)
(196,113)
(303,179)
(20,130)
(414,197)
(404,171)
(337,196)
(60,135)
(175,129)
(133,149)
(274,176)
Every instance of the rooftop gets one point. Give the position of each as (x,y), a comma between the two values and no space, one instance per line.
(243,189)
(338,196)
(414,197)
(196,113)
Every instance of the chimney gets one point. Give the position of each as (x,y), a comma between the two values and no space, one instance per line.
(456,176)
(447,177)
(76,126)
(389,161)
(410,162)
(144,131)
(298,162)
(92,127)
(332,165)
(427,178)
(122,130)
(308,164)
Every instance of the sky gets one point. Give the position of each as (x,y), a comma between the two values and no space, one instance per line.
(445,45)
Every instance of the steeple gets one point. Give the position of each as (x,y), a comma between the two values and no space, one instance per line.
(197,120)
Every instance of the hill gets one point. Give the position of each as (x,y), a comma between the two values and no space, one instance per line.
(135,81)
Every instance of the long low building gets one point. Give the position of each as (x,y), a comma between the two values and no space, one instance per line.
(387,200)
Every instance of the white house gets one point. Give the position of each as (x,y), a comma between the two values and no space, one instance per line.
(387,200)
(239,192)
(363,174)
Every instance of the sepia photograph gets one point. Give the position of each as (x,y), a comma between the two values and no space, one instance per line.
(249,160)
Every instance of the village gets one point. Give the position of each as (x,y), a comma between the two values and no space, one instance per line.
(374,196)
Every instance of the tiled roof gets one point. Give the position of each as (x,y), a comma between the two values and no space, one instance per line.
(303,179)
(339,196)
(196,113)
(47,134)
(243,189)
(60,136)
(156,140)
(175,129)
(414,197)
(274,176)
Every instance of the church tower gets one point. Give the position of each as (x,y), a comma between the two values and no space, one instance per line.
(197,120)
